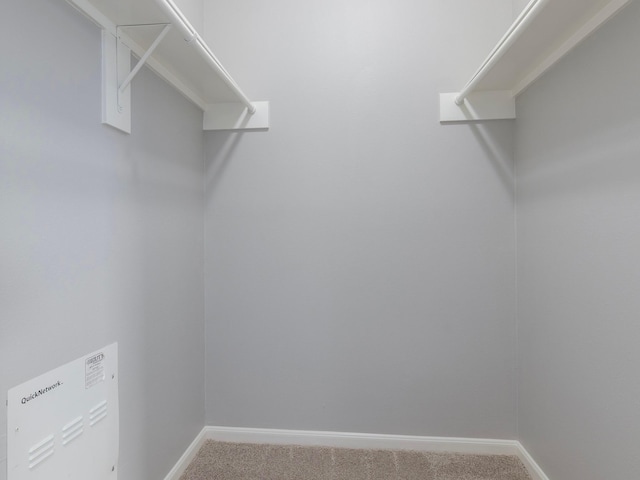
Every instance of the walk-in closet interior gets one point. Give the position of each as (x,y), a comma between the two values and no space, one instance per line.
(407,224)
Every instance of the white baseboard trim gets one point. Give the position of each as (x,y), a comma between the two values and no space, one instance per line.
(362,440)
(532,467)
(186,458)
(479,446)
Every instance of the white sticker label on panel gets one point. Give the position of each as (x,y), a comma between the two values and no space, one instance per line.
(94,370)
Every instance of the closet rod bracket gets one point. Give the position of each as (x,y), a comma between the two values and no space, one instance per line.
(477,106)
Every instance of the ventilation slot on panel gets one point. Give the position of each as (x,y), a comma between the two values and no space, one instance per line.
(97,413)
(72,430)
(41,451)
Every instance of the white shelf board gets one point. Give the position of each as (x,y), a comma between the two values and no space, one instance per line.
(174,59)
(179,63)
(559,27)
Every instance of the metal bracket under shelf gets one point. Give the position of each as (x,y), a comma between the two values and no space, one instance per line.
(117,76)
(147,54)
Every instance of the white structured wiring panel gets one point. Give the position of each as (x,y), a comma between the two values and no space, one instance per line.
(64,423)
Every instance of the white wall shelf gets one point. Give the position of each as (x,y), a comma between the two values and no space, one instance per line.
(181,57)
(543,33)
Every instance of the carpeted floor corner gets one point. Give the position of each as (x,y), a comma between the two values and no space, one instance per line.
(242,461)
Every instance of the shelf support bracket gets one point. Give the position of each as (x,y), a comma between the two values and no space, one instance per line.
(144,58)
(117,76)
(116,64)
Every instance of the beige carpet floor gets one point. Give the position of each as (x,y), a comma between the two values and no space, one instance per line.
(241,461)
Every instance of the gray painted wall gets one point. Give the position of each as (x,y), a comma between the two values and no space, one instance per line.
(359,257)
(360,265)
(518,6)
(100,233)
(578,152)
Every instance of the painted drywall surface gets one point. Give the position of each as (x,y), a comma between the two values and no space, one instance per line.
(579,268)
(100,232)
(359,256)
(518,6)
(193,10)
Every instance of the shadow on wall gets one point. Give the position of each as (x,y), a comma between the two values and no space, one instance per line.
(502,161)
(220,148)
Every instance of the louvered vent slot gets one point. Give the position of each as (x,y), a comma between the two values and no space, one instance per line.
(41,451)
(72,430)
(97,413)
